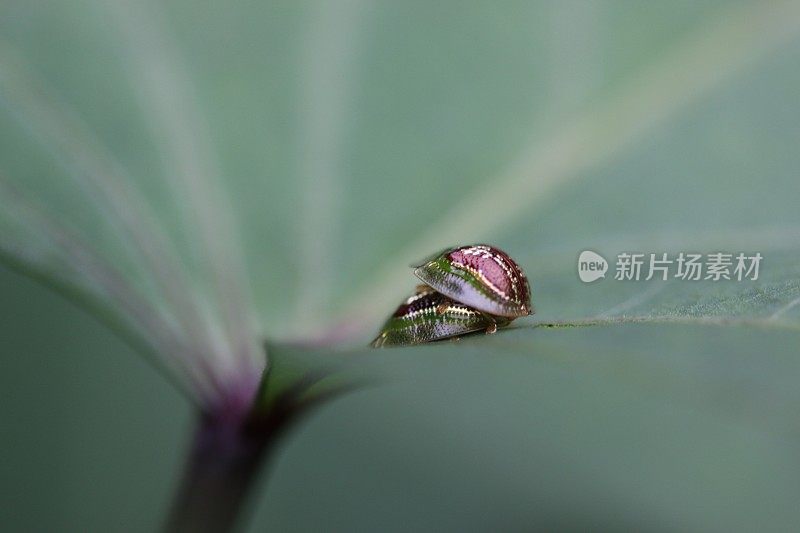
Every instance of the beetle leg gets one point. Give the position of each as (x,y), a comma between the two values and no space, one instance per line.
(379,341)
(492,327)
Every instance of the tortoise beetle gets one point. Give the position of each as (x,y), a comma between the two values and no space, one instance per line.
(467,289)
(428,315)
(480,276)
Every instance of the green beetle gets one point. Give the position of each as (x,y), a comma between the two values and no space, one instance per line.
(429,315)
(468,288)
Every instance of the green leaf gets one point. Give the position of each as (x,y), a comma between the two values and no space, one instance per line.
(236,172)
(368,141)
(637,426)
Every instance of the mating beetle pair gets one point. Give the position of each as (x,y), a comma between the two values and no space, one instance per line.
(469,288)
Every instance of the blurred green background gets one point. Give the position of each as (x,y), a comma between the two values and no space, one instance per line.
(349,139)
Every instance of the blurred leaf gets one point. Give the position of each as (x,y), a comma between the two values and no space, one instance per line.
(350,140)
(654,427)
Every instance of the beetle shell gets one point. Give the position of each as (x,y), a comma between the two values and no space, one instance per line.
(428,316)
(479,276)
